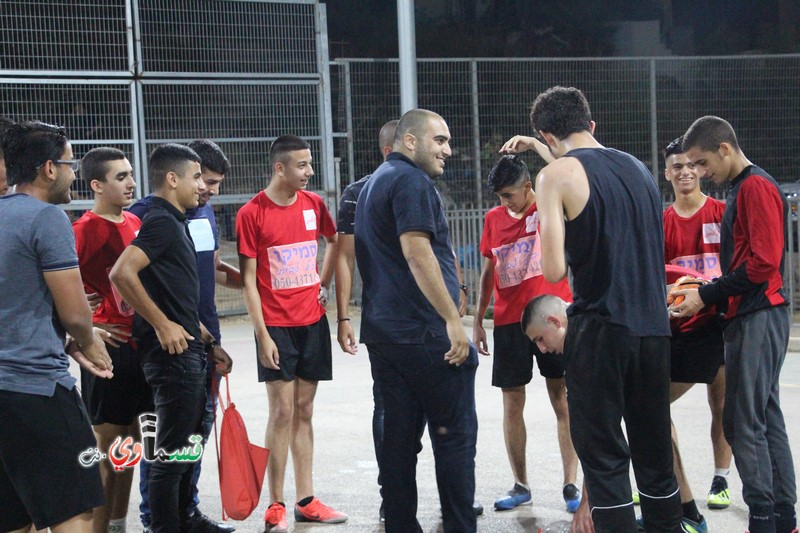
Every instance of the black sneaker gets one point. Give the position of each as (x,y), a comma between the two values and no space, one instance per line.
(200,523)
(477,508)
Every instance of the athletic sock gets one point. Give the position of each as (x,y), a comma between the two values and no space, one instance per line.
(722,472)
(523,485)
(116,525)
(305,501)
(690,511)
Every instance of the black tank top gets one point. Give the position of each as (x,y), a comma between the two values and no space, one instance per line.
(615,246)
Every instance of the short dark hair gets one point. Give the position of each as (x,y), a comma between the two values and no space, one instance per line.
(386,135)
(5,124)
(537,310)
(29,145)
(413,122)
(211,156)
(509,170)
(283,145)
(94,164)
(674,148)
(708,132)
(561,111)
(168,158)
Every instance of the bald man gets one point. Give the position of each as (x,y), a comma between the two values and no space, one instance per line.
(420,355)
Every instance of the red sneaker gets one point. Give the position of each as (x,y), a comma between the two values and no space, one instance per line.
(275,519)
(316,511)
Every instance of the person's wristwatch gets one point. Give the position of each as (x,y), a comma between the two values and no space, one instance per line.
(464,288)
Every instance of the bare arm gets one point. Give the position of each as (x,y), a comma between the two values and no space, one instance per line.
(125,277)
(521,143)
(549,202)
(462,294)
(484,297)
(226,274)
(267,350)
(329,260)
(425,268)
(345,270)
(72,308)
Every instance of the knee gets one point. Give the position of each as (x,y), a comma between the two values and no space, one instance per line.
(304,410)
(281,413)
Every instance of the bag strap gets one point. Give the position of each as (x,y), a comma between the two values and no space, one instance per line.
(215,385)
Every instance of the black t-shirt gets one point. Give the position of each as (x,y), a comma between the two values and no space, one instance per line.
(615,246)
(171,277)
(399,198)
(346,219)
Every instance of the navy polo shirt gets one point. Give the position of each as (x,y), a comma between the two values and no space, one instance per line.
(399,198)
(171,277)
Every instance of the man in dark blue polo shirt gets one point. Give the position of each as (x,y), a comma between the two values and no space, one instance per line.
(211,269)
(157,276)
(420,354)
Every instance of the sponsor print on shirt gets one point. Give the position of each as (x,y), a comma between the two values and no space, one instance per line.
(202,234)
(711,233)
(122,306)
(293,265)
(310,217)
(518,261)
(707,264)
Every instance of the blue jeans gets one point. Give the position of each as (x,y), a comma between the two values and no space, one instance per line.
(416,383)
(212,381)
(179,395)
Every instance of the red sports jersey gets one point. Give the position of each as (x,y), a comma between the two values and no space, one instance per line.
(694,243)
(514,247)
(99,243)
(283,241)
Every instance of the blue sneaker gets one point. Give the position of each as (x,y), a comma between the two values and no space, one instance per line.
(572,497)
(519,495)
(687,526)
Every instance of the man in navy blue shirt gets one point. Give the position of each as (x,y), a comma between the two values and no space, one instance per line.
(214,166)
(420,354)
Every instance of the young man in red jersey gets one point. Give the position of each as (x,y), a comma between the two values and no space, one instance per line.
(278,233)
(512,272)
(692,240)
(113,405)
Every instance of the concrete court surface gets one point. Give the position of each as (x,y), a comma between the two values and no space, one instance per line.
(345,469)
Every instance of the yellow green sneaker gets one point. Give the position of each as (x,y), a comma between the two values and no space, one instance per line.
(719,497)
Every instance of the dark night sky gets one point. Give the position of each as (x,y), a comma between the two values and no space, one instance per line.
(558,28)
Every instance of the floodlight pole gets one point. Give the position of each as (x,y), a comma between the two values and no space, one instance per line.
(408,55)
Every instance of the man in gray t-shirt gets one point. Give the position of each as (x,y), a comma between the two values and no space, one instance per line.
(45,424)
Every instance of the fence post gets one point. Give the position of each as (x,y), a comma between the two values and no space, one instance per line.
(325,112)
(476,134)
(348,102)
(653,121)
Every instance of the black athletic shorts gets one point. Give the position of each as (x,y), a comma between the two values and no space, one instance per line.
(695,356)
(513,358)
(304,351)
(121,399)
(41,479)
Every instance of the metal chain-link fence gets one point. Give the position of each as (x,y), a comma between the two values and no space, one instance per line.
(639,105)
(137,73)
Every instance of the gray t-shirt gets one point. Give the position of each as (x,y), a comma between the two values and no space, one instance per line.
(35,237)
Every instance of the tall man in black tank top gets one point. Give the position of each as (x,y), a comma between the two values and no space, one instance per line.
(600,214)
